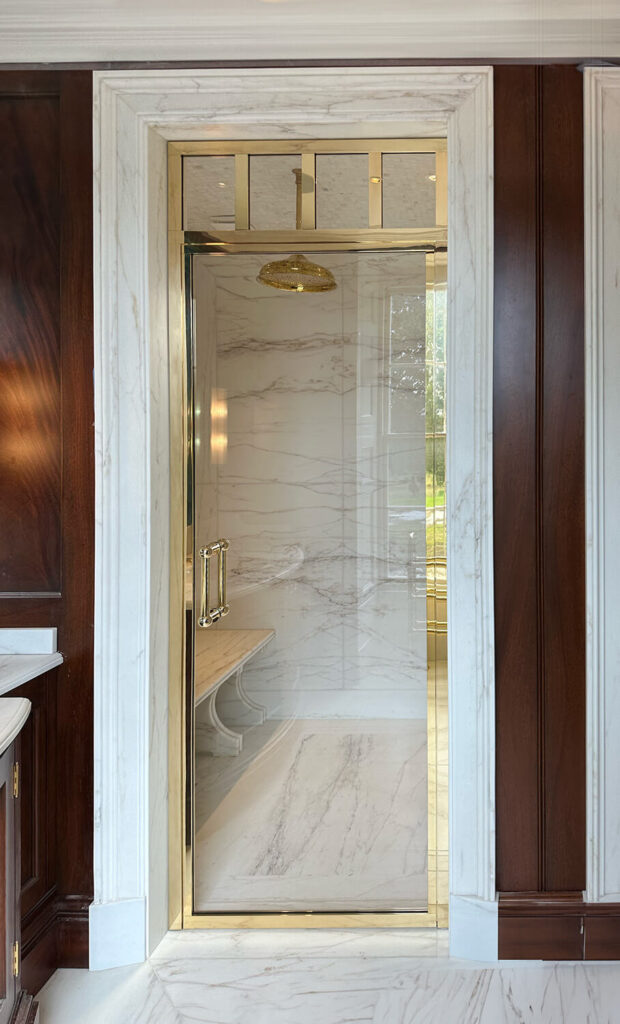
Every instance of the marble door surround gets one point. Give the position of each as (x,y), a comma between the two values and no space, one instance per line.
(602,296)
(138,407)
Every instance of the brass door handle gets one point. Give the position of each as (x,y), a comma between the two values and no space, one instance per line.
(210,615)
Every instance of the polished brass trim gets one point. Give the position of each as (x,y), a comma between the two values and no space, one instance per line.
(307,221)
(180,436)
(242,192)
(181,912)
(292,147)
(441,188)
(316,919)
(437,688)
(375,190)
(431,238)
(208,616)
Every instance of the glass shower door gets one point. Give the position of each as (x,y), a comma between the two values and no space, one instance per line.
(318,696)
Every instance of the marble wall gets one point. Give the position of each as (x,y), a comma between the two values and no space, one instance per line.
(321,490)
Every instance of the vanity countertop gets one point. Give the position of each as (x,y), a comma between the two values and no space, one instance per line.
(13,713)
(16,669)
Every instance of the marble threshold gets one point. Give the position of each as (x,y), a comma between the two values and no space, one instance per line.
(335,977)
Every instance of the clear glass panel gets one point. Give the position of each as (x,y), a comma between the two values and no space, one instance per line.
(314,458)
(274,192)
(408,190)
(209,193)
(342,190)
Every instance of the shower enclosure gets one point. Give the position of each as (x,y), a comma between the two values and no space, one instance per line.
(312,281)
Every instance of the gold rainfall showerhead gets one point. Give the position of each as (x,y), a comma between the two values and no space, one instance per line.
(297,274)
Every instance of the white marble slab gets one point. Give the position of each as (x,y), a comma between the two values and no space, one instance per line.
(13,713)
(326,815)
(335,977)
(602,224)
(28,641)
(16,669)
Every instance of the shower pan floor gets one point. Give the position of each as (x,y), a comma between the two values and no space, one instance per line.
(315,815)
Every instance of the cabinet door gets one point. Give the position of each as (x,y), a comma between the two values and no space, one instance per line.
(8,981)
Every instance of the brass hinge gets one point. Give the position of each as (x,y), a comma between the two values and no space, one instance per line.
(16,780)
(15,959)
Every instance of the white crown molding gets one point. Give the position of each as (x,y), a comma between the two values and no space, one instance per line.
(242,31)
(135,113)
(602,294)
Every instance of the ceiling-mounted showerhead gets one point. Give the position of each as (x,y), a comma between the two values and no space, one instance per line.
(297,274)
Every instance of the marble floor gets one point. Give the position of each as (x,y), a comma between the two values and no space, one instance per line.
(329,977)
(315,814)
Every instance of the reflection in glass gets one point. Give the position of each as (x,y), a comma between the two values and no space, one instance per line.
(311,778)
(342,190)
(408,190)
(209,193)
(273,192)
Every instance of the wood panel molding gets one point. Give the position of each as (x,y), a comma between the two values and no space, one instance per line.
(54,935)
(47,554)
(557,926)
(539,470)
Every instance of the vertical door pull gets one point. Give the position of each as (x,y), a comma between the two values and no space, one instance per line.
(210,615)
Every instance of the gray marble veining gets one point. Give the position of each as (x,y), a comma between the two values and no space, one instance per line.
(335,977)
(326,459)
(319,815)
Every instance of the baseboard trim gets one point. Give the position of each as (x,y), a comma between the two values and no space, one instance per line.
(54,934)
(557,926)
(117,934)
(473,928)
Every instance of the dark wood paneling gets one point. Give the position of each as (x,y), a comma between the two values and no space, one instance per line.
(72,931)
(47,316)
(563,475)
(557,926)
(39,945)
(534,926)
(75,694)
(602,937)
(38,796)
(30,429)
(541,938)
(515,360)
(539,485)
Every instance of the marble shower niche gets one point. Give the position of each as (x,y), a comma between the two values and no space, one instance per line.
(319,447)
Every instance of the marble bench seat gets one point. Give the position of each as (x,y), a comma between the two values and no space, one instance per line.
(220,657)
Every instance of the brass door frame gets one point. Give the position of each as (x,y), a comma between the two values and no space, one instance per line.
(182,245)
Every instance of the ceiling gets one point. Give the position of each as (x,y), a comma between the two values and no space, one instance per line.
(208,30)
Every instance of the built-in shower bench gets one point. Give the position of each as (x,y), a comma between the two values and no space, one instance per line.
(220,657)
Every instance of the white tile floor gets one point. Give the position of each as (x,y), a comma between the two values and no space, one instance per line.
(329,977)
